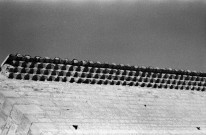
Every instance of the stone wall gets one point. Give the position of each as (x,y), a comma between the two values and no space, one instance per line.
(33,108)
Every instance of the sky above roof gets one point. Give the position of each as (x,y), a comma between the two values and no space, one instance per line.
(150,33)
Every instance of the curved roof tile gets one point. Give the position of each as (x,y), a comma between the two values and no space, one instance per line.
(46,69)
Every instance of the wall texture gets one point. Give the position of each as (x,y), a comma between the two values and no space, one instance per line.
(48,108)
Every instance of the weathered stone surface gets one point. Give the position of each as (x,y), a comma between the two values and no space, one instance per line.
(50,108)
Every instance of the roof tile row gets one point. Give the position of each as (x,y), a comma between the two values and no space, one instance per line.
(46,69)
(153,84)
(75,62)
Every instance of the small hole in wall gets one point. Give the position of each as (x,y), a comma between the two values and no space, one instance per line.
(198,128)
(35,89)
(145,105)
(192,92)
(75,126)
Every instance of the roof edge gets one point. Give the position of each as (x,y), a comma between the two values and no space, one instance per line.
(76,62)
(5,60)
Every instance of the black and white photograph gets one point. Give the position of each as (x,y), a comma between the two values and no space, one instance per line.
(102,67)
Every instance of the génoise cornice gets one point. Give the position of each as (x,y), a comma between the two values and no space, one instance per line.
(88,72)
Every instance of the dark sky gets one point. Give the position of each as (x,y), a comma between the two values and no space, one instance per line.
(158,34)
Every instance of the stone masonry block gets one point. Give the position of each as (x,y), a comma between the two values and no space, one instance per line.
(4,95)
(18,111)
(19,117)
(9,94)
(42,129)
(3,118)
(9,128)
(7,107)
